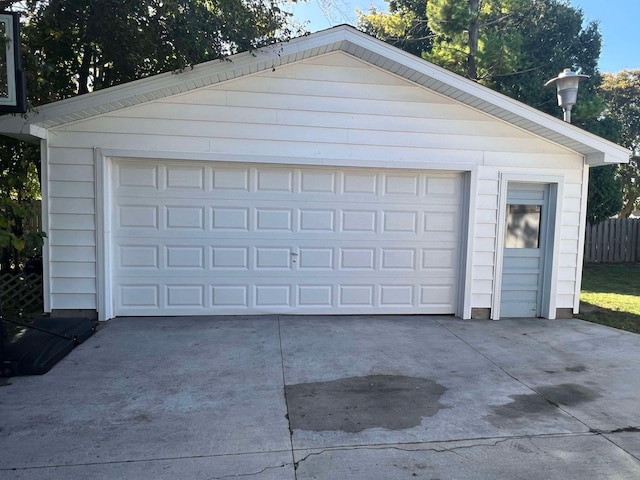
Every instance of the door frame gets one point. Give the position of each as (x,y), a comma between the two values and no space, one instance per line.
(552,246)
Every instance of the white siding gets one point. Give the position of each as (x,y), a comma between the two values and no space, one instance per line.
(333,110)
(72,238)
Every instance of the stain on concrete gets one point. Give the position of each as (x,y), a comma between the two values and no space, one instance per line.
(521,406)
(354,404)
(539,405)
(577,369)
(568,394)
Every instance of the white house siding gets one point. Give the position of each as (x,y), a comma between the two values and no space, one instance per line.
(332,110)
(71,235)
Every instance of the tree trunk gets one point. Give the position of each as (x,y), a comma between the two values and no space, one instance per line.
(627,209)
(474,35)
(83,73)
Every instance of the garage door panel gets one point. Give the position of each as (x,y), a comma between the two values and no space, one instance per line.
(311,295)
(400,221)
(316,295)
(273,219)
(401,185)
(136,176)
(138,217)
(225,258)
(396,295)
(140,257)
(183,257)
(142,296)
(230,218)
(398,259)
(218,238)
(316,258)
(184,217)
(314,220)
(186,177)
(185,296)
(270,295)
(230,296)
(227,216)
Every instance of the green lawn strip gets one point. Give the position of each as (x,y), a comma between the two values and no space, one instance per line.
(611,296)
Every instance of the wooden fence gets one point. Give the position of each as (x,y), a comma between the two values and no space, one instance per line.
(613,241)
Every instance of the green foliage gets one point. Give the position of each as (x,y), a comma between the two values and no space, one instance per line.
(476,38)
(605,198)
(605,186)
(78,46)
(554,37)
(622,93)
(514,47)
(72,47)
(19,187)
(405,26)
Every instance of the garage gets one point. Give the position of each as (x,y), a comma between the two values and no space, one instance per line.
(223,238)
(331,174)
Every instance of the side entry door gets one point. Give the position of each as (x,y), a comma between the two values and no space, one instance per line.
(525,243)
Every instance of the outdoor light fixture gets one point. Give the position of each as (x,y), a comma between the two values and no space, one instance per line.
(567,84)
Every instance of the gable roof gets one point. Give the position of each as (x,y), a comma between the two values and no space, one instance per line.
(596,150)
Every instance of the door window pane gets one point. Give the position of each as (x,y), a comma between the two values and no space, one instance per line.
(523,226)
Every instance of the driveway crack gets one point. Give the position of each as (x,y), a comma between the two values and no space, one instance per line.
(617,430)
(453,449)
(286,400)
(239,475)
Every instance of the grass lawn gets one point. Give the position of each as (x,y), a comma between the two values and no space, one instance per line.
(611,296)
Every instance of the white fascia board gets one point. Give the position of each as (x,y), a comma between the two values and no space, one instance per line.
(38,131)
(598,159)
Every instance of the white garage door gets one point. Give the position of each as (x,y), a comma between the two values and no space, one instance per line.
(210,238)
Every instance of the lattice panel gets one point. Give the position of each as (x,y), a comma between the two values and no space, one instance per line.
(21,295)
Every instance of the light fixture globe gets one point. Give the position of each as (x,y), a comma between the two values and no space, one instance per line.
(567,85)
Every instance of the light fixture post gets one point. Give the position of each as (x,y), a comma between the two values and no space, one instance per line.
(567,87)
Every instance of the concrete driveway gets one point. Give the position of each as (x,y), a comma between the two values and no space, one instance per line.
(356,397)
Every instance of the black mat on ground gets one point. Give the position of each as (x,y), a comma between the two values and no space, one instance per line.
(35,348)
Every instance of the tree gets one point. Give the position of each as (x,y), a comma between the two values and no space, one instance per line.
(72,47)
(514,47)
(405,26)
(19,186)
(622,94)
(476,38)
(79,45)
(554,36)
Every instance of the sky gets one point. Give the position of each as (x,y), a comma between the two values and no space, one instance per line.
(618,20)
